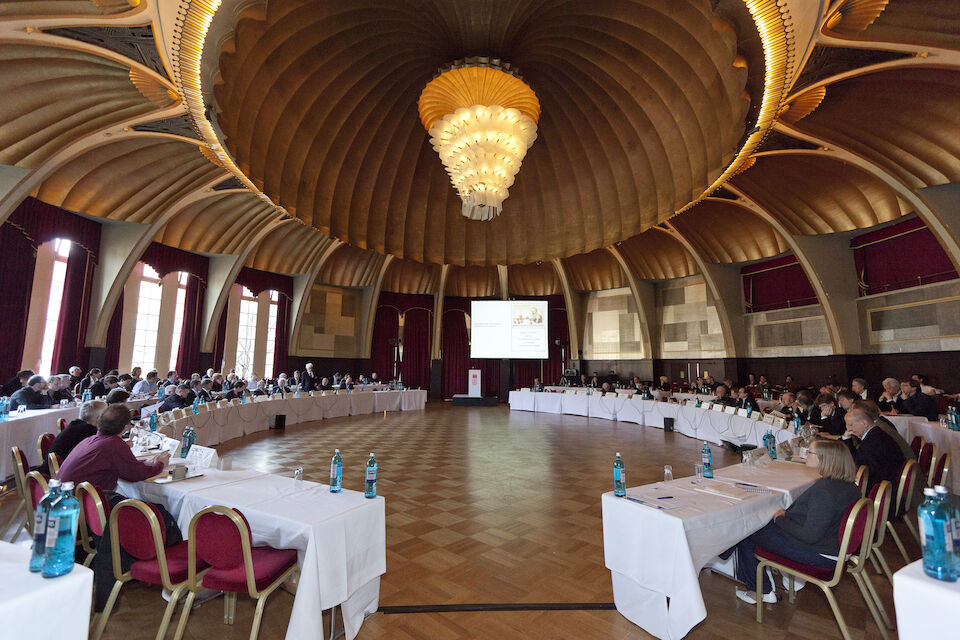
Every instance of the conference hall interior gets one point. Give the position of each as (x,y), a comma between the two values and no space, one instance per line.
(456,319)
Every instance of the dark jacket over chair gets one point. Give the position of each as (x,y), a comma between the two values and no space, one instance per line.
(67,440)
(920,404)
(171,402)
(881,455)
(814,519)
(832,424)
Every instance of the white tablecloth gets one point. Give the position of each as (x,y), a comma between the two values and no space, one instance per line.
(655,555)
(35,607)
(947,441)
(340,538)
(548,402)
(926,608)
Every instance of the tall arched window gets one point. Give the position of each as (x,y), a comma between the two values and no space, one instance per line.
(148,319)
(247,334)
(271,334)
(178,318)
(61,250)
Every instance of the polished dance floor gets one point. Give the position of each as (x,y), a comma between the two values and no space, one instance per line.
(494,530)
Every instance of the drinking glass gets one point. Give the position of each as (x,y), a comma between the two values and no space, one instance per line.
(298,478)
(698,471)
(22,408)
(667,473)
(943,422)
(63,403)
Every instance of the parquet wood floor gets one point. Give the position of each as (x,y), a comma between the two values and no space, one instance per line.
(488,506)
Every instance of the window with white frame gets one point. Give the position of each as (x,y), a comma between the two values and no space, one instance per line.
(271,334)
(61,250)
(247,334)
(178,318)
(148,319)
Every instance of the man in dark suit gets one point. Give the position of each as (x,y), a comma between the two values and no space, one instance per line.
(309,379)
(831,418)
(723,397)
(877,450)
(917,403)
(745,400)
(787,404)
(176,400)
(31,396)
(859,387)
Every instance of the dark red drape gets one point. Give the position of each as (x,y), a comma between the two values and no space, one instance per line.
(903,255)
(166,259)
(43,222)
(558,330)
(524,371)
(455,352)
(219,347)
(282,347)
(386,327)
(18,260)
(258,281)
(489,375)
(111,359)
(417,332)
(68,346)
(776,284)
(188,356)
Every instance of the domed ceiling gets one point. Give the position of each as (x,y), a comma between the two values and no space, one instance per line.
(644,105)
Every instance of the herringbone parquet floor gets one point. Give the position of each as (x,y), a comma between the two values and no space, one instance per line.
(488,506)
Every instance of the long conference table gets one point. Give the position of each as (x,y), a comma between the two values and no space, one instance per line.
(215,424)
(689,420)
(656,550)
(340,538)
(947,441)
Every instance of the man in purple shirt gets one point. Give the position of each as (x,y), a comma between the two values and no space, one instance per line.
(105,458)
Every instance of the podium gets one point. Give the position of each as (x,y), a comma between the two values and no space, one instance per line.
(473,383)
(474,396)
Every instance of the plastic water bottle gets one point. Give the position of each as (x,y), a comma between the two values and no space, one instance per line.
(706,456)
(61,533)
(699,403)
(951,519)
(40,526)
(935,533)
(619,477)
(797,425)
(749,411)
(336,472)
(370,479)
(196,406)
(153,421)
(87,396)
(186,441)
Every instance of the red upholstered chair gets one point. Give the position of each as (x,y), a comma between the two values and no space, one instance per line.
(53,464)
(21,467)
(36,486)
(882,496)
(43,445)
(94,511)
(138,529)
(856,527)
(928,453)
(61,424)
(917,444)
(903,505)
(220,537)
(939,472)
(863,477)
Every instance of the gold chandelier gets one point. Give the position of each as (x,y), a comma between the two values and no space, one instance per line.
(481,118)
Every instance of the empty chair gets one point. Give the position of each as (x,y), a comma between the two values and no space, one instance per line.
(61,424)
(855,530)
(53,463)
(928,453)
(36,487)
(882,496)
(903,503)
(20,470)
(137,528)
(44,443)
(94,511)
(916,445)
(863,477)
(939,471)
(220,537)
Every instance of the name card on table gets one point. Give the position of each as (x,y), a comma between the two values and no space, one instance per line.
(731,410)
(768,419)
(743,412)
(779,422)
(717,407)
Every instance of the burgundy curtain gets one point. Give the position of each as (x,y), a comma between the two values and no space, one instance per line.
(18,261)
(282,346)
(489,375)
(188,357)
(218,348)
(903,255)
(258,281)
(417,331)
(43,222)
(111,359)
(386,327)
(69,343)
(558,330)
(776,284)
(524,371)
(456,352)
(165,259)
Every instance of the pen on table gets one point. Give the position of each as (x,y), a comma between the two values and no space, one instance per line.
(664,497)
(747,484)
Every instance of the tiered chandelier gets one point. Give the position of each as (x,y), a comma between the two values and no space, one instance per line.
(481,117)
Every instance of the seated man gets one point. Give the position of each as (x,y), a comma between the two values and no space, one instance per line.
(117,396)
(238,392)
(877,451)
(110,383)
(104,458)
(58,389)
(723,397)
(663,384)
(126,382)
(809,527)
(76,432)
(830,420)
(845,399)
(175,400)
(788,401)
(890,400)
(261,389)
(806,408)
(206,390)
(745,400)
(536,385)
(325,385)
(873,413)
(915,402)
(859,387)
(148,386)
(31,396)
(17,382)
(194,391)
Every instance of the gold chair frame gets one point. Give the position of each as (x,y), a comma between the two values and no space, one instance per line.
(229,599)
(40,455)
(53,464)
(854,565)
(176,589)
(932,481)
(862,479)
(905,493)
(19,478)
(933,465)
(36,475)
(83,530)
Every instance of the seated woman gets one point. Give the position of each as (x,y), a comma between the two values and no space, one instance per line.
(807,531)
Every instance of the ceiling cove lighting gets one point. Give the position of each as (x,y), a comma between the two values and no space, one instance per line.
(481,117)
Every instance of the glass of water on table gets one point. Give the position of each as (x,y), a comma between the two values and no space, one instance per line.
(667,473)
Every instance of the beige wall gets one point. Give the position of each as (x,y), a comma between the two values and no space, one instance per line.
(689,324)
(801,331)
(611,326)
(925,318)
(331,326)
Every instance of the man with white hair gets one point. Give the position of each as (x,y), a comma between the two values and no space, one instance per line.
(77,431)
(890,399)
(253,383)
(309,378)
(76,376)
(58,390)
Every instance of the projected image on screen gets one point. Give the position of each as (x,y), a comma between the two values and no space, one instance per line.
(508,329)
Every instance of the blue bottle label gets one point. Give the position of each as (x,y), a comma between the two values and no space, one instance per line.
(371,474)
(617,474)
(39,528)
(53,530)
